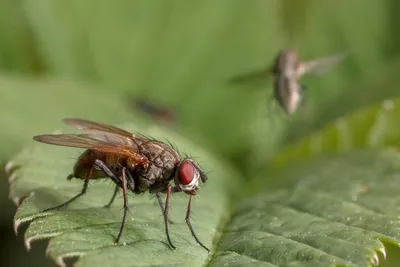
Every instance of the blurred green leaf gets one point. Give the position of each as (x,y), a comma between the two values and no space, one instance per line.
(373,126)
(181,53)
(87,229)
(18,51)
(334,211)
(30,106)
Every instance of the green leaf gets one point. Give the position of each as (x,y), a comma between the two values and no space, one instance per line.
(87,229)
(373,126)
(332,211)
(17,47)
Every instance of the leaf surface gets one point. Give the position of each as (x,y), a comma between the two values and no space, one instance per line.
(332,211)
(371,126)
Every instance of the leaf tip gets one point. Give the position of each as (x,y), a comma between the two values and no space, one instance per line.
(28,243)
(12,178)
(383,252)
(17,223)
(10,167)
(60,258)
(29,240)
(375,259)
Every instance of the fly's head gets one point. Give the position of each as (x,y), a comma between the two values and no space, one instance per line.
(188,175)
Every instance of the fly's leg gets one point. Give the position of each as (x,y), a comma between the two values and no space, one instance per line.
(165,213)
(273,111)
(187,219)
(160,202)
(126,208)
(85,186)
(304,94)
(109,173)
(102,166)
(130,181)
(119,182)
(113,196)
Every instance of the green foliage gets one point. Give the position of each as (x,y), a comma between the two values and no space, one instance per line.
(375,126)
(30,106)
(333,211)
(274,198)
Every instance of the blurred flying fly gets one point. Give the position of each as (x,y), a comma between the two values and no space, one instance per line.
(133,161)
(287,71)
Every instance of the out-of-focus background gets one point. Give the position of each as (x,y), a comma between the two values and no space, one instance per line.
(93,59)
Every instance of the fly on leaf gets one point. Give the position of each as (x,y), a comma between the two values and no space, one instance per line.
(133,162)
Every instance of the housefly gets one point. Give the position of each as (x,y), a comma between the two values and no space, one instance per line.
(287,71)
(133,162)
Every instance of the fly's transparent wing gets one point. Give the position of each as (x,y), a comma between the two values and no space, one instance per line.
(319,66)
(253,76)
(96,128)
(106,143)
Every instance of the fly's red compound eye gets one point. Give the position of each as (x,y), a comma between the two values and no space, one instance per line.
(186,173)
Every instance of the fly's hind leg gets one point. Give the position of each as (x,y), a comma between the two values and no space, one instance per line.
(113,196)
(83,191)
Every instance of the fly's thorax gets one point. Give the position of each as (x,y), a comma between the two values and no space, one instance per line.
(286,62)
(162,164)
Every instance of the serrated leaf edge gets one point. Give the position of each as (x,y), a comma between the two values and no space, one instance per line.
(29,240)
(60,258)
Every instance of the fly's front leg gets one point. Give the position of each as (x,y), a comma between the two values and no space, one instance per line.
(189,224)
(170,190)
